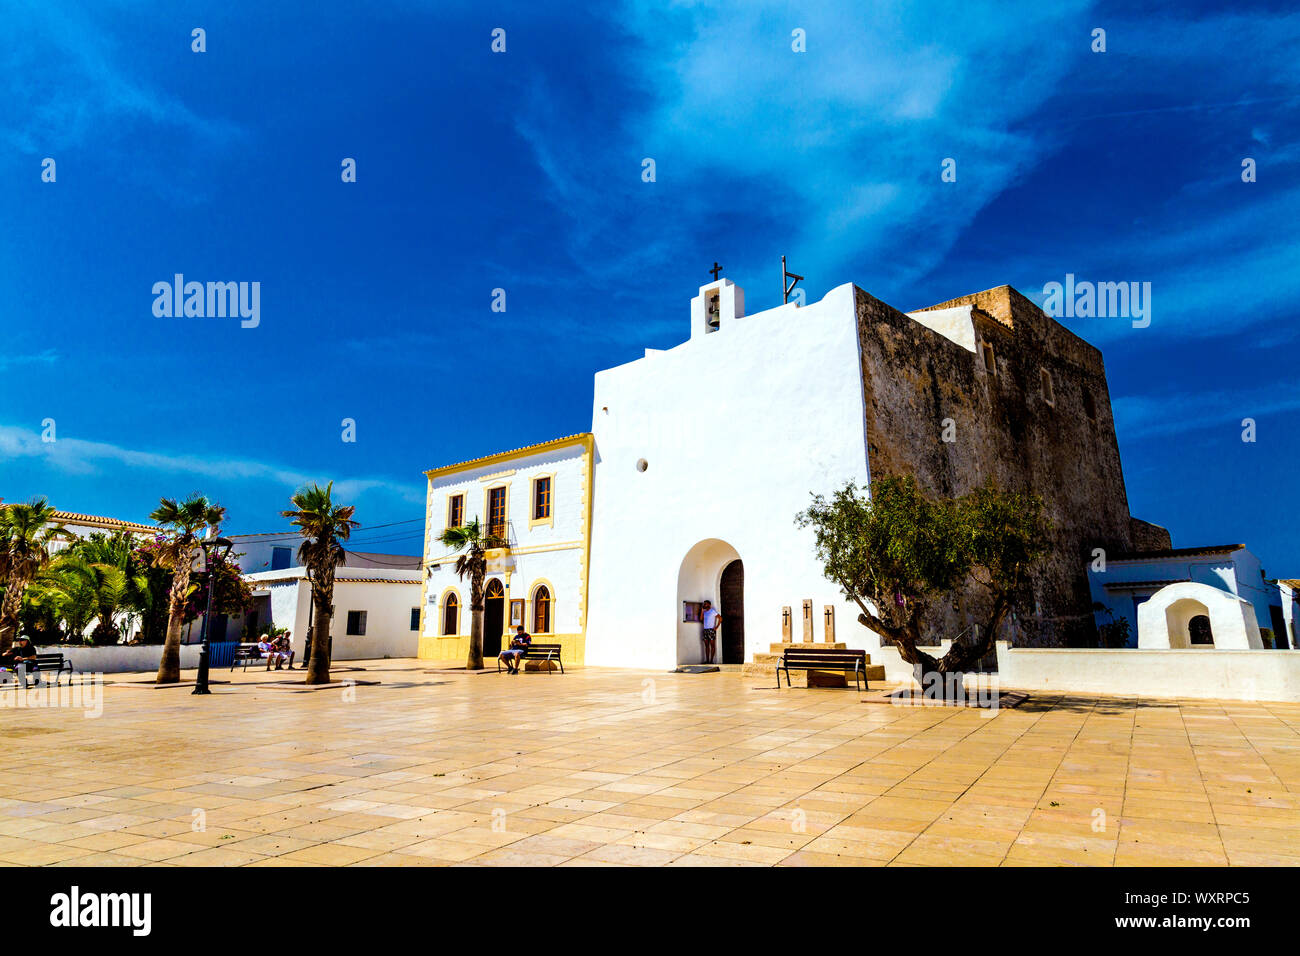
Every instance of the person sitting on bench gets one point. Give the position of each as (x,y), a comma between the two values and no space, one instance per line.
(24,654)
(9,663)
(282,651)
(266,649)
(518,644)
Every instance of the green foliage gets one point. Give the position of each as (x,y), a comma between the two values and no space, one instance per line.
(323,525)
(231,594)
(27,532)
(897,551)
(1115,632)
(470,542)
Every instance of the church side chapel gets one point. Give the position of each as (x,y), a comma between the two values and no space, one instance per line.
(699,456)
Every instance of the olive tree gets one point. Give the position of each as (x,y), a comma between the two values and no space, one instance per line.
(898,554)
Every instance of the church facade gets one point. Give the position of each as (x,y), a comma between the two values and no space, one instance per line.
(700,456)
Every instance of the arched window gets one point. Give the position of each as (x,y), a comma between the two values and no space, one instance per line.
(451,615)
(541,610)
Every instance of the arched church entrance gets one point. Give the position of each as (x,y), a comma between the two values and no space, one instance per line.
(699,579)
(494,618)
(731,600)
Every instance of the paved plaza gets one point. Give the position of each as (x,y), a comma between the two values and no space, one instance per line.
(436,766)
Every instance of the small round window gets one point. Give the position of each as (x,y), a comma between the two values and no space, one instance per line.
(642,464)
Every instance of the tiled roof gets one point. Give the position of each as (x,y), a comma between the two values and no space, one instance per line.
(512,453)
(74,517)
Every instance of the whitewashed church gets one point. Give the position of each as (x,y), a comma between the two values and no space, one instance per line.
(684,490)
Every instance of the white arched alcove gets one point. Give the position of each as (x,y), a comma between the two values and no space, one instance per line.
(698,580)
(1164,620)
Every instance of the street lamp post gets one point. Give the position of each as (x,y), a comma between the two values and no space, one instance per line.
(221,547)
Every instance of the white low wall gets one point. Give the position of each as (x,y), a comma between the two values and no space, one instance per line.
(1173,672)
(120,658)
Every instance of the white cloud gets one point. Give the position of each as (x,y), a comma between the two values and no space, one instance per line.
(1150,416)
(846,139)
(44,357)
(80,457)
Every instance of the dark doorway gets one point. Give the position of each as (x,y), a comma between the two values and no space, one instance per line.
(732,599)
(494,618)
(1279,628)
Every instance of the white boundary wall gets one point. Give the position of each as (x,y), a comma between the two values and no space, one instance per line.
(119,658)
(1209,673)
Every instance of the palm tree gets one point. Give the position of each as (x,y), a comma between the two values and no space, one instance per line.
(472,543)
(323,526)
(111,556)
(26,533)
(182,521)
(77,591)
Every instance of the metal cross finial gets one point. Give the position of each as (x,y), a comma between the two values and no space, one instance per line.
(787,274)
(715,270)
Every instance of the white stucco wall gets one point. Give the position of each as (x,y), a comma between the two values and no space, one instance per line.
(954,324)
(387,605)
(1164,620)
(737,427)
(388,620)
(119,658)
(1193,673)
(1290,597)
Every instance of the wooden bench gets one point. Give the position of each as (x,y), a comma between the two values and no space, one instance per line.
(538,652)
(45,662)
(246,654)
(820,659)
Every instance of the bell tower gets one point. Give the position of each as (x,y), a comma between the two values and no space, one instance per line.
(718,303)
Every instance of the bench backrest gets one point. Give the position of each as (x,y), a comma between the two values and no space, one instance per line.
(49,658)
(826,656)
(553,649)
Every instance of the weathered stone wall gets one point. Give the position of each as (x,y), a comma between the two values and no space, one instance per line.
(1066,452)
(1146,536)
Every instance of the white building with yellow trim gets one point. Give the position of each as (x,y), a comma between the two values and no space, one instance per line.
(538,499)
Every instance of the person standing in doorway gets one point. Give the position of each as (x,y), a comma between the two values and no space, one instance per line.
(710,619)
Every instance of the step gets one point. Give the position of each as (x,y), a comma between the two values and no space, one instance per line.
(807,646)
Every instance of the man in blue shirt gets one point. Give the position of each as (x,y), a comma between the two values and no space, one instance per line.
(516,650)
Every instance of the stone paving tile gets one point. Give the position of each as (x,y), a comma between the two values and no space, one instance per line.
(445,770)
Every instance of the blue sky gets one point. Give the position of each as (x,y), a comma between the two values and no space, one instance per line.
(522,171)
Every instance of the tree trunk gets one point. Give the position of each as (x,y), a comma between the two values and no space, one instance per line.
(478,573)
(932,673)
(964,654)
(9,610)
(475,660)
(169,666)
(318,665)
